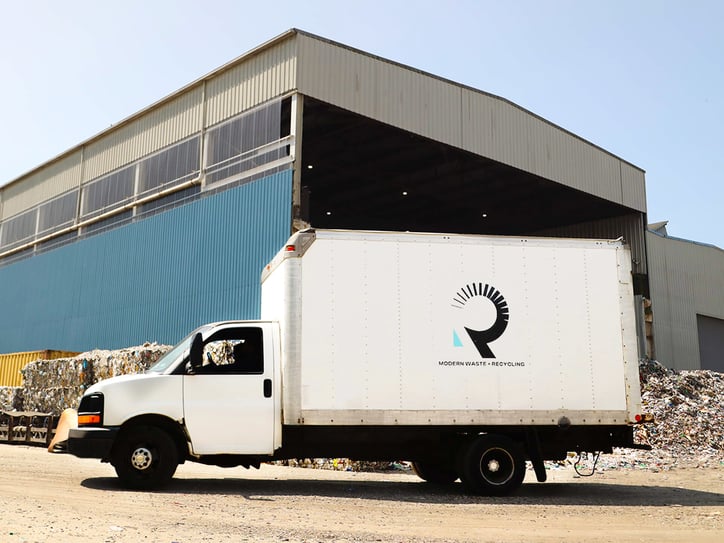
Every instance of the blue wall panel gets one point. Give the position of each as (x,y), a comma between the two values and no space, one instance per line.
(152,280)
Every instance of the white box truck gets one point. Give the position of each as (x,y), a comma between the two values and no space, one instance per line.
(467,355)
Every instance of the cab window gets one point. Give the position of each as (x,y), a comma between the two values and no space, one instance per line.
(234,351)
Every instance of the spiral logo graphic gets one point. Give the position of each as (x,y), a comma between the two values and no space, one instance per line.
(481,338)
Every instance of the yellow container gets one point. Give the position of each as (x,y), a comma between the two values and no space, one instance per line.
(11,364)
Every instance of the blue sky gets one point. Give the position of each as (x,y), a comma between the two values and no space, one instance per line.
(642,79)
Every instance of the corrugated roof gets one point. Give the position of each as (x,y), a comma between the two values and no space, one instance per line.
(256,50)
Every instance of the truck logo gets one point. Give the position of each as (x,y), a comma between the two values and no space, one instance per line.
(481,338)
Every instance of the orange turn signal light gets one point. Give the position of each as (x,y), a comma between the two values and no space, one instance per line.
(84,420)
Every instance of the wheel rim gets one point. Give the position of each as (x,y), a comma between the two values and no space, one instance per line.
(497,466)
(141,458)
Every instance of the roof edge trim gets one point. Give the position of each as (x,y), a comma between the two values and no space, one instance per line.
(691,241)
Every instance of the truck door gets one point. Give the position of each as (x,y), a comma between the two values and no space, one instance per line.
(228,402)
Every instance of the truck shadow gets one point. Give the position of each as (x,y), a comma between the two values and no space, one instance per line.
(552,493)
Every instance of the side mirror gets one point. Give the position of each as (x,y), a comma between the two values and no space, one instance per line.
(196,352)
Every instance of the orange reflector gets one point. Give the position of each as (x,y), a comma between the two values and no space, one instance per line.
(88,419)
(290,248)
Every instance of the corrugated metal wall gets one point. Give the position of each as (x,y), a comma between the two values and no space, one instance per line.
(152,280)
(265,75)
(41,185)
(462,117)
(633,187)
(156,129)
(686,279)
(630,227)
(12,363)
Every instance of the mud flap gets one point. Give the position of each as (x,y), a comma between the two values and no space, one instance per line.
(532,445)
(68,420)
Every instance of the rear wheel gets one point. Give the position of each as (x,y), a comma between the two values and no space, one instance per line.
(492,465)
(145,457)
(431,472)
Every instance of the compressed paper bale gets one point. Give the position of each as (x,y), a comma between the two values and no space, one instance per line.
(52,385)
(107,364)
(55,385)
(6,398)
(11,399)
(49,399)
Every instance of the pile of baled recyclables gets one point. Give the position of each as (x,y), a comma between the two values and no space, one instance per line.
(688,407)
(29,413)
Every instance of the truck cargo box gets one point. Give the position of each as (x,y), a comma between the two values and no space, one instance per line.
(387,328)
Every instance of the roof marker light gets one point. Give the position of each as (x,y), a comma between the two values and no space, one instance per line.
(290,248)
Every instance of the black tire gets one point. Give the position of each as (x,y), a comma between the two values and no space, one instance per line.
(434,473)
(145,457)
(492,465)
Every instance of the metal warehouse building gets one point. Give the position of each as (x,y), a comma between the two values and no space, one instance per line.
(165,220)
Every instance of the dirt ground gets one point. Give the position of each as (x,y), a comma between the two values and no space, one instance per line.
(50,497)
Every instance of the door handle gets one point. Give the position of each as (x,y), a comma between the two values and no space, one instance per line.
(267,388)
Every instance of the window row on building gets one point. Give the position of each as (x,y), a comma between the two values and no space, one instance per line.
(237,150)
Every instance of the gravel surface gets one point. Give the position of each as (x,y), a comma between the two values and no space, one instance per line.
(670,494)
(60,498)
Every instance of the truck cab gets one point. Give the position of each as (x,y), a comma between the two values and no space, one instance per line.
(214,398)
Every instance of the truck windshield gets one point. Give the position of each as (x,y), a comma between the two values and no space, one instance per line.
(172,356)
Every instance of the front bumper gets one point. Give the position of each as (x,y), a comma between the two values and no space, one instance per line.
(91,442)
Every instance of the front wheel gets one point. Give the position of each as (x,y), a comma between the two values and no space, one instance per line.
(145,457)
(492,465)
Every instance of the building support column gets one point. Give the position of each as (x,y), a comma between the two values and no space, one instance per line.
(299,214)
